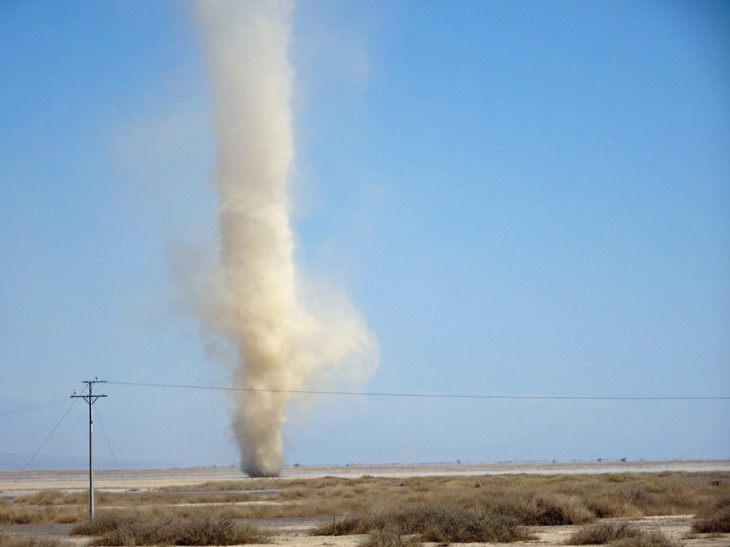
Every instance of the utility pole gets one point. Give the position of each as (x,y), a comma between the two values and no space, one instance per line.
(91,399)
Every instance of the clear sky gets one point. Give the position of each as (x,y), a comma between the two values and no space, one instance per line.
(520,198)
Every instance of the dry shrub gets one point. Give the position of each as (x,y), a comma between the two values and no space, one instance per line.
(648,539)
(7,540)
(44,497)
(431,522)
(450,524)
(141,528)
(608,506)
(663,494)
(550,510)
(603,532)
(30,514)
(530,499)
(389,538)
(294,493)
(619,534)
(167,496)
(343,527)
(52,497)
(714,520)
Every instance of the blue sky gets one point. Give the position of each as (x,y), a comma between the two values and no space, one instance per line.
(521,198)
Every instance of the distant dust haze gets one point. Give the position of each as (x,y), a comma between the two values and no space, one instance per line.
(284,334)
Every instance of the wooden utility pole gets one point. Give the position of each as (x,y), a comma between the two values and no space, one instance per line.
(90,398)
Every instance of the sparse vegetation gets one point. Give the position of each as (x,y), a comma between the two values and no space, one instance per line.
(145,528)
(619,534)
(714,520)
(20,513)
(648,539)
(431,522)
(389,538)
(525,500)
(602,533)
(389,510)
(6,540)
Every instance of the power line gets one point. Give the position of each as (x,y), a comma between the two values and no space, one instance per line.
(31,406)
(103,430)
(45,441)
(425,395)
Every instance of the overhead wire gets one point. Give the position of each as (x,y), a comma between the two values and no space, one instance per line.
(109,444)
(32,406)
(416,395)
(55,427)
(424,395)
(44,404)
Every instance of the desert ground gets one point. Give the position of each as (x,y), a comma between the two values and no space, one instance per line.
(291,506)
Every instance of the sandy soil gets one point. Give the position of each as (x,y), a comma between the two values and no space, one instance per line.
(294,532)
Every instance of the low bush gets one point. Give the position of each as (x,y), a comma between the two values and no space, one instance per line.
(343,527)
(450,524)
(716,519)
(648,539)
(547,510)
(137,528)
(7,540)
(431,522)
(603,532)
(32,514)
(619,534)
(389,538)
(530,499)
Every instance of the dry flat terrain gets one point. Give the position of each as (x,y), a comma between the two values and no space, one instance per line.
(643,504)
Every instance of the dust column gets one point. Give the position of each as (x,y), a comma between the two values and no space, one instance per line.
(258,303)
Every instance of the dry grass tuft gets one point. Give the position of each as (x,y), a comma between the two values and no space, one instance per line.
(603,532)
(343,527)
(7,540)
(32,514)
(144,528)
(715,520)
(546,510)
(389,538)
(619,535)
(431,522)
(648,539)
(451,524)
